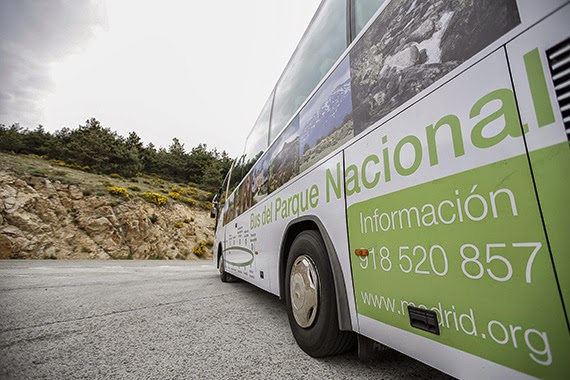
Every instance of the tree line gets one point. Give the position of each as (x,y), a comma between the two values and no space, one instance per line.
(100,150)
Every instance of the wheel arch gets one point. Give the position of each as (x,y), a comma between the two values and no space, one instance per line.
(311,222)
(219,254)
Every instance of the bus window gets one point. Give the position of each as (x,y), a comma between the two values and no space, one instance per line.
(321,46)
(257,140)
(362,11)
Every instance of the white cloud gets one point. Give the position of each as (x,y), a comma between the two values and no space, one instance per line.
(199,71)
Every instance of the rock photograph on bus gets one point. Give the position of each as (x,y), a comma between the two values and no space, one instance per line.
(245,195)
(284,153)
(412,44)
(326,120)
(260,180)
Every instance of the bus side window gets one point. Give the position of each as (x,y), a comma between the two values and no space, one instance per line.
(321,46)
(362,11)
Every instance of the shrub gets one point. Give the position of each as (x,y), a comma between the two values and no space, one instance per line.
(186,220)
(206,205)
(71,166)
(155,198)
(200,248)
(178,225)
(134,188)
(188,201)
(120,191)
(116,176)
(153,218)
(210,243)
(178,190)
(192,191)
(174,195)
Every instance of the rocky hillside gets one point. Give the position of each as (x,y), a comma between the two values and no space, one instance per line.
(51,212)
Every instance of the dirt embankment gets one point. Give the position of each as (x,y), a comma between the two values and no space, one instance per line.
(43,217)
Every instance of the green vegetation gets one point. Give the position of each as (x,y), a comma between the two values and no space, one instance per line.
(120,191)
(155,198)
(96,149)
(200,248)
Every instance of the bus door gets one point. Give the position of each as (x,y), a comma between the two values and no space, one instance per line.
(540,64)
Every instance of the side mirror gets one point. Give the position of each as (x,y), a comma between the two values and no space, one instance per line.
(214,208)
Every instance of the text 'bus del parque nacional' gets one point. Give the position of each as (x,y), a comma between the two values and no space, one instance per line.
(406,186)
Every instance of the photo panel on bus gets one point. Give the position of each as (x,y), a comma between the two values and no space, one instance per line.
(412,44)
(284,153)
(245,194)
(326,120)
(260,180)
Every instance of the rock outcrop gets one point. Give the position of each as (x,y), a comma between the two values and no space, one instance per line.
(40,218)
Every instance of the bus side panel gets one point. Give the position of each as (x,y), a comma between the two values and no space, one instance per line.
(244,258)
(443,199)
(252,239)
(548,144)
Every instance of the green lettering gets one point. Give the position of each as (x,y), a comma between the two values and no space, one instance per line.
(508,111)
(538,88)
(417,145)
(314,196)
(455,128)
(370,184)
(331,183)
(352,182)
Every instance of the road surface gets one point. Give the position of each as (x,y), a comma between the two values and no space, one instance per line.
(158,320)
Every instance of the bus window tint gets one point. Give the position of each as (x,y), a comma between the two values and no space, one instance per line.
(237,173)
(256,142)
(323,43)
(362,11)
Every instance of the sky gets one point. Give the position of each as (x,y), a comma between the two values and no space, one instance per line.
(199,71)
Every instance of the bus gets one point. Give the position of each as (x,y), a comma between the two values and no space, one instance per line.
(406,186)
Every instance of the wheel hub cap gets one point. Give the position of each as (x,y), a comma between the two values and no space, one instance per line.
(304,290)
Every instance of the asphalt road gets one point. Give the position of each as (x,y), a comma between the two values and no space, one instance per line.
(158,320)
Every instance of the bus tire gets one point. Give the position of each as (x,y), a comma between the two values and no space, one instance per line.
(224,276)
(311,299)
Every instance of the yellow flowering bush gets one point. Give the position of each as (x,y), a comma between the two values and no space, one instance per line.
(200,248)
(174,195)
(121,191)
(178,190)
(207,205)
(155,198)
(188,201)
(71,166)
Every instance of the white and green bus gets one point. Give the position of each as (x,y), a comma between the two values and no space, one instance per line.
(406,185)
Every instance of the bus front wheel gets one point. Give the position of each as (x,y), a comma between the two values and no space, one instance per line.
(311,300)
(224,276)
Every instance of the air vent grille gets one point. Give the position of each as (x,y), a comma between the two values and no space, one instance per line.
(559,61)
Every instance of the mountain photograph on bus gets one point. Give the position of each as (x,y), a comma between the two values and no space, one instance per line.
(245,198)
(413,43)
(284,154)
(260,180)
(326,120)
